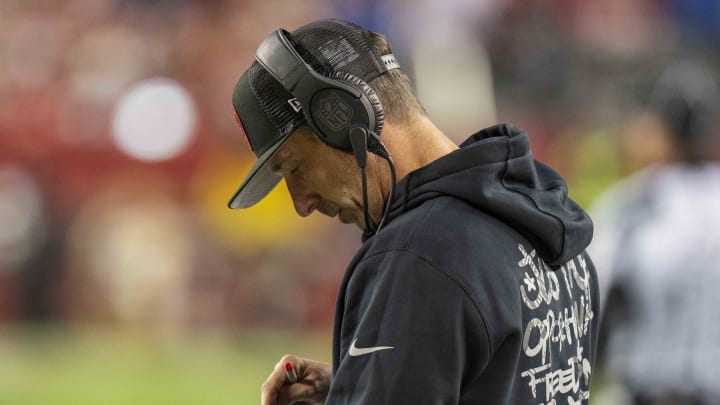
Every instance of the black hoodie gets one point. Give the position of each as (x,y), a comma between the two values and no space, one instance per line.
(478,289)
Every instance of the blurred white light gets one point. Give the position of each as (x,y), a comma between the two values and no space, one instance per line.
(154,121)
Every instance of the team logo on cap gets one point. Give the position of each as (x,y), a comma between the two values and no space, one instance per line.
(242,128)
(335,112)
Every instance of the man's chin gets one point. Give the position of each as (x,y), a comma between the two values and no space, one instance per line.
(350,217)
(347,218)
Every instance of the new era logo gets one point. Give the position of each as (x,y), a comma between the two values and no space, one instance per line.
(295,104)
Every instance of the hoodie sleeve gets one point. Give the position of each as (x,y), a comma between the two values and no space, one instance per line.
(410,334)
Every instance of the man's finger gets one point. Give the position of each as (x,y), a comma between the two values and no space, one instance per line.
(275,381)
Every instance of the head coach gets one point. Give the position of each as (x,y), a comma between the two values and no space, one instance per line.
(472,285)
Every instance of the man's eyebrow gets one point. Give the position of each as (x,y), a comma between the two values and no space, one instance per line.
(275,167)
(276,162)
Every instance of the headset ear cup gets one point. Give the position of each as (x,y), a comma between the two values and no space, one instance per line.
(371,95)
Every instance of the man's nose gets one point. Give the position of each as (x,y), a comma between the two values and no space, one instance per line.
(305,202)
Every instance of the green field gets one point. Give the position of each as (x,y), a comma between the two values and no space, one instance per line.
(51,365)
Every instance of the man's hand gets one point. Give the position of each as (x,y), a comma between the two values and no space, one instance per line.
(310,389)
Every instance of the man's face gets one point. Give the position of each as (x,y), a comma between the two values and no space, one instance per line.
(322,178)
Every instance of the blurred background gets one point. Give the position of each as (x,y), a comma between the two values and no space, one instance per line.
(123,276)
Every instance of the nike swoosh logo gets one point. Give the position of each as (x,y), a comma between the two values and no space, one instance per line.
(360,351)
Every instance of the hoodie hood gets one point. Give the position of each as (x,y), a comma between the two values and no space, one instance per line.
(494,170)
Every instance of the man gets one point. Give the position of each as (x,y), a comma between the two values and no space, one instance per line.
(658,238)
(472,285)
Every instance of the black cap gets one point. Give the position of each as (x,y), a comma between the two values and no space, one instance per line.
(268,114)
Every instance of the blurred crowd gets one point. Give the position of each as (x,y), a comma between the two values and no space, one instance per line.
(119,151)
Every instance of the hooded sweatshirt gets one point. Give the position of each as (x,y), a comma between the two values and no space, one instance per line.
(477,290)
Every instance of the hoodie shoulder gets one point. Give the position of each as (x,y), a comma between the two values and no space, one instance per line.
(453,234)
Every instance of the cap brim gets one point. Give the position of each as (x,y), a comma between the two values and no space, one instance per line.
(260,181)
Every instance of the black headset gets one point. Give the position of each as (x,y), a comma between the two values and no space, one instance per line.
(342,109)
(333,106)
